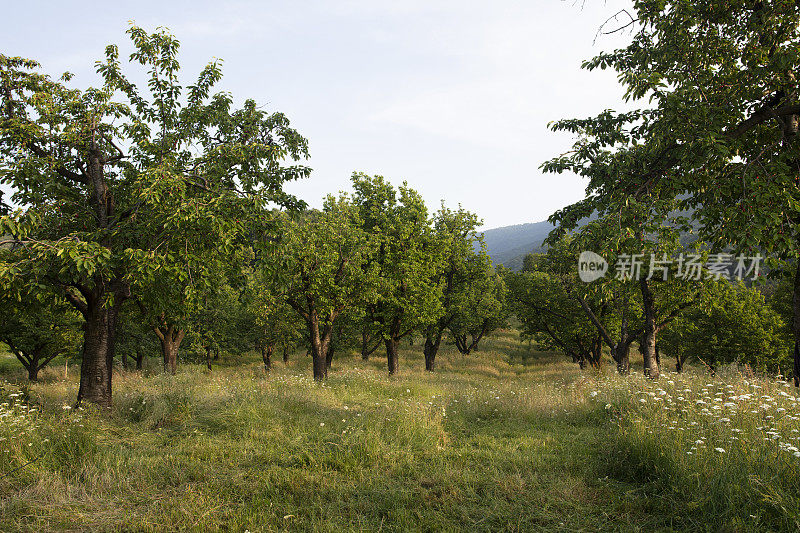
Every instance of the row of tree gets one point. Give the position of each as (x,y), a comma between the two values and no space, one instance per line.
(709,147)
(710,320)
(158,212)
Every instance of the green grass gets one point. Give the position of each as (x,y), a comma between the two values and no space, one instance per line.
(504,439)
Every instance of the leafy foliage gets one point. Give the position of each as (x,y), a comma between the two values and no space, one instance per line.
(732,323)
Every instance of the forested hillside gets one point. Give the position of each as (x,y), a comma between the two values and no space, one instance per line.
(508,245)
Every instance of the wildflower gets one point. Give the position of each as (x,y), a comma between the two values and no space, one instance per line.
(720,450)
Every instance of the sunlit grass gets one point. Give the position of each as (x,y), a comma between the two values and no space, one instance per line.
(725,446)
(503,439)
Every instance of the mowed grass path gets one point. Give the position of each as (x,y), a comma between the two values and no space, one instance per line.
(501,440)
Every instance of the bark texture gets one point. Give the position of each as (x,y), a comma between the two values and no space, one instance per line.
(651,369)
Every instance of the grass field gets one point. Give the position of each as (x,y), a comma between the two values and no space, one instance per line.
(504,439)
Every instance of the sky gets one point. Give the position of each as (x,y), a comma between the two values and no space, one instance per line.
(453,97)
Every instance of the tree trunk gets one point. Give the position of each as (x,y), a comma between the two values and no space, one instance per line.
(649,337)
(98,351)
(597,353)
(475,340)
(622,357)
(621,350)
(100,327)
(319,346)
(170,339)
(266,355)
(365,345)
(392,346)
(30,361)
(366,351)
(285,354)
(139,358)
(329,355)
(433,339)
(33,368)
(169,353)
(461,343)
(209,357)
(476,337)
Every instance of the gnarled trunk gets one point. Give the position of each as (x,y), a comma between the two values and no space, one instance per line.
(466,347)
(170,338)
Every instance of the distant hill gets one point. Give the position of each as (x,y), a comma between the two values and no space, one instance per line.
(510,244)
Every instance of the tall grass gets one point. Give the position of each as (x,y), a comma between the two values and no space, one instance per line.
(723,447)
(505,439)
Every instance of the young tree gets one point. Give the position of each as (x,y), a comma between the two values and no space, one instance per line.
(406,259)
(549,315)
(321,269)
(463,270)
(107,186)
(481,309)
(39,328)
(274,322)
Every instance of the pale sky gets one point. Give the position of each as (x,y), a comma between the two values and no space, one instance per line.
(452,96)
